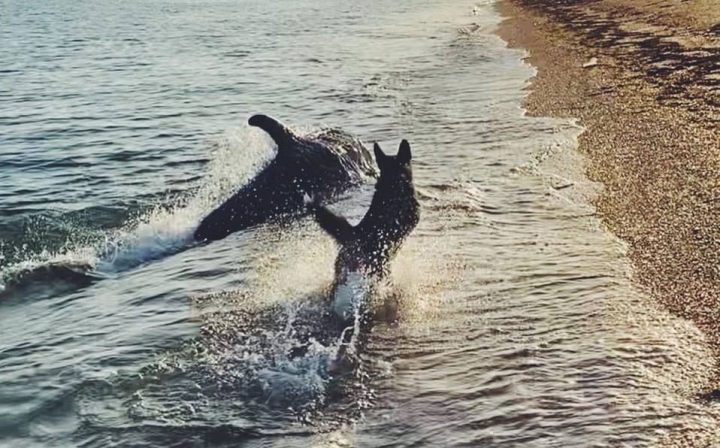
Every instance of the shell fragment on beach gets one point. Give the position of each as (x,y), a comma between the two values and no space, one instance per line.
(591,63)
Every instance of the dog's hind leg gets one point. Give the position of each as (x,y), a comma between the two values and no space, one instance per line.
(335,225)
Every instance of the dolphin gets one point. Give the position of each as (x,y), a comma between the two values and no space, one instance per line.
(322,164)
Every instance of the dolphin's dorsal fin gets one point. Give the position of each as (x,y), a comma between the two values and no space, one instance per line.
(276,130)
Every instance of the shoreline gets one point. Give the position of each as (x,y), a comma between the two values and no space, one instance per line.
(643,79)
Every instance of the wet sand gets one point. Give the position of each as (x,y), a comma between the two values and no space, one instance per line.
(651,106)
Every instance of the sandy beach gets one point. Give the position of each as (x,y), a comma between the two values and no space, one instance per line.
(644,79)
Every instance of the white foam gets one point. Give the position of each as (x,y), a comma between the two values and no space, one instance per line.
(348,295)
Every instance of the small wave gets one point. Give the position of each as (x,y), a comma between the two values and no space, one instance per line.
(74,272)
(459,196)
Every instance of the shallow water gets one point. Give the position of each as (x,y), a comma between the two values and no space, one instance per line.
(510,323)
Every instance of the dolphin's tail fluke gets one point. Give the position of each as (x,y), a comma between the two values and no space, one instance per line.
(276,130)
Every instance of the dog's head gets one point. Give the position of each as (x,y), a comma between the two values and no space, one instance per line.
(394,168)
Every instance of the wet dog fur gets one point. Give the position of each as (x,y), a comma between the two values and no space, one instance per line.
(368,247)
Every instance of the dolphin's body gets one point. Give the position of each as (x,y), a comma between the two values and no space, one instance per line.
(323,165)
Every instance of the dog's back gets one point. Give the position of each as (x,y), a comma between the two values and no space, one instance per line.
(393,214)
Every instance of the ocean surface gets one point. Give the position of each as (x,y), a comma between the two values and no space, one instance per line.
(511,321)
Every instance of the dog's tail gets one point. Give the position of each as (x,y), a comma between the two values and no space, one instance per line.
(337,226)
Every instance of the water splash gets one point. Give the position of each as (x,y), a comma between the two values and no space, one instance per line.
(165,229)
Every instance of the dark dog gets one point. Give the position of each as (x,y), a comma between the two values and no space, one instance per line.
(367,248)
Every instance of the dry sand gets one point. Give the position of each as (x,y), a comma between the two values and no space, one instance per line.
(651,107)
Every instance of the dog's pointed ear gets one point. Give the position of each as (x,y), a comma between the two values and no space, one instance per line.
(404,155)
(379,155)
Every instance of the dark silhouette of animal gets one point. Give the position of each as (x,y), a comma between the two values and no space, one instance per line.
(367,248)
(323,164)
